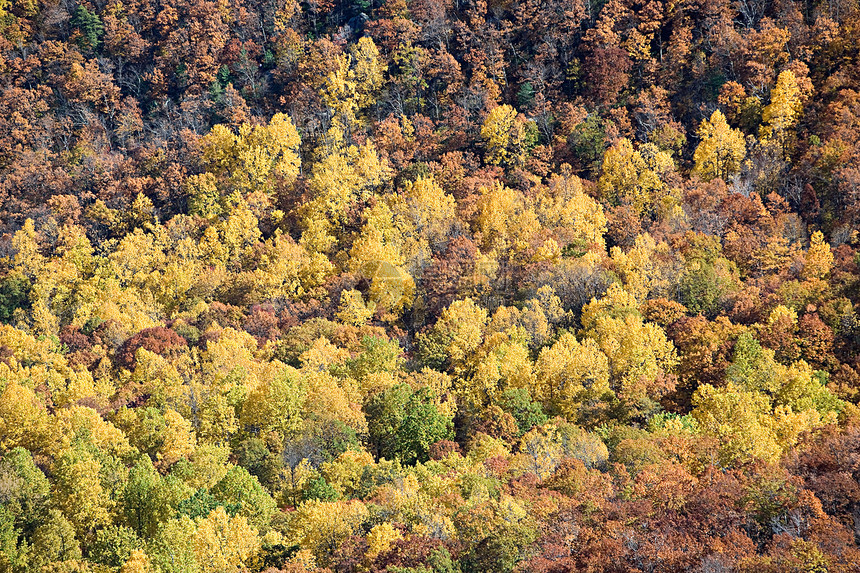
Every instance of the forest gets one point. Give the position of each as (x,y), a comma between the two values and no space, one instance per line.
(429,286)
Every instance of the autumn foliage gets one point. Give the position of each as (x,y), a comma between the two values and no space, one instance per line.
(379,286)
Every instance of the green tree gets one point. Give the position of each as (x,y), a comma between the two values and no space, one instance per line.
(14,294)
(244,490)
(26,491)
(422,426)
(113,546)
(404,424)
(145,499)
(519,404)
(90,27)
(79,491)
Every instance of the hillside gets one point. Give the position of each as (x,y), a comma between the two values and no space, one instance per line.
(429,286)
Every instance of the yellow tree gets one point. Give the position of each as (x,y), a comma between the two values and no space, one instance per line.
(352,308)
(641,357)
(138,562)
(376,254)
(572,377)
(338,93)
(425,216)
(27,260)
(781,115)
(455,336)
(322,527)
(507,136)
(23,418)
(286,268)
(331,400)
(379,539)
(745,424)
(366,71)
(204,197)
(79,425)
(635,177)
(224,544)
(496,133)
(343,176)
(505,219)
(501,362)
(276,403)
(251,159)
(721,148)
(79,491)
(345,473)
(179,439)
(574,217)
(353,83)
(640,269)
(819,258)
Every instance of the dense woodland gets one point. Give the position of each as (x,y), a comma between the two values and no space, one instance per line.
(429,286)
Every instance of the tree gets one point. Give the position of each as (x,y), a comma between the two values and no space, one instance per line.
(224,544)
(342,177)
(23,419)
(172,550)
(505,220)
(14,294)
(253,158)
(425,216)
(54,540)
(819,258)
(526,412)
(145,500)
(572,378)
(576,219)
(708,277)
(423,425)
(741,420)
(721,149)
(275,404)
(241,489)
(641,358)
(113,545)
(457,333)
(79,491)
(376,254)
(404,424)
(635,177)
(380,538)
(352,308)
(157,339)
(137,562)
(352,86)
(89,26)
(544,448)
(507,136)
(26,492)
(780,116)
(322,527)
